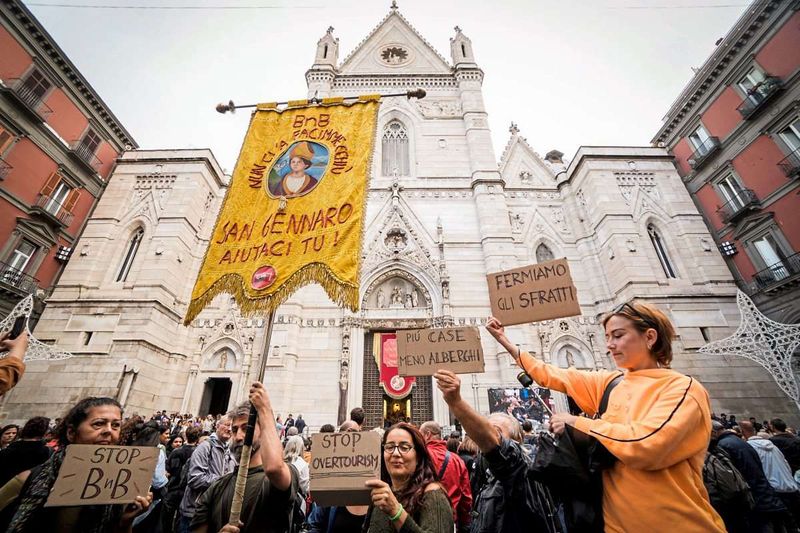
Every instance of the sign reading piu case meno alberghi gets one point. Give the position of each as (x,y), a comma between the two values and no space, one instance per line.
(421,352)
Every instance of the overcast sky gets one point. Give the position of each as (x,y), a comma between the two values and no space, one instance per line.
(568,72)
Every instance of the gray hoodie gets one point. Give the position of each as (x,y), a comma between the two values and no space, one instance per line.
(774,464)
(210,461)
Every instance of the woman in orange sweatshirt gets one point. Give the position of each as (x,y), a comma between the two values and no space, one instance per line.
(657,424)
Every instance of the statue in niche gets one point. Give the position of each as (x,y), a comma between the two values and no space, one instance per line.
(408,304)
(396,240)
(570,359)
(516,223)
(223,360)
(397,296)
(414,298)
(345,340)
(381,299)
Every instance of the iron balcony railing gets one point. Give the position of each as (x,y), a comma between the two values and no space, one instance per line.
(17,279)
(703,152)
(759,95)
(5,168)
(85,155)
(791,164)
(781,272)
(744,201)
(53,209)
(29,97)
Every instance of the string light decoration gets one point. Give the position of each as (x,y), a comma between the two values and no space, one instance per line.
(37,350)
(761,339)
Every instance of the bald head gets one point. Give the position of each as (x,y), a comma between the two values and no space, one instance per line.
(747,429)
(349,426)
(431,431)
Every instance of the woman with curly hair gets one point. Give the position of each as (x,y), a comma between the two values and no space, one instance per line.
(90,421)
(408,496)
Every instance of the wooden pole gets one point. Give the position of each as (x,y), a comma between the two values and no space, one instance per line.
(252,420)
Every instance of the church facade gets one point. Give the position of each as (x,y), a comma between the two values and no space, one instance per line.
(442,212)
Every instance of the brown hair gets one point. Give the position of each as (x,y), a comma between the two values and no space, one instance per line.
(410,496)
(645,316)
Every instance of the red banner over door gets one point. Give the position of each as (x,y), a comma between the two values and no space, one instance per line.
(385,351)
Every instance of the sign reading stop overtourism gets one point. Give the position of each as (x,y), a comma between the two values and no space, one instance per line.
(421,352)
(340,465)
(101,475)
(533,293)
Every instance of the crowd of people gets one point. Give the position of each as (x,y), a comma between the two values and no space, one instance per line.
(639,451)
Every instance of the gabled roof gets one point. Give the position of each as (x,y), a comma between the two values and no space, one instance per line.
(516,140)
(394,17)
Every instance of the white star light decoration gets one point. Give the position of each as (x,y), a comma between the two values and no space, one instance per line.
(37,350)
(768,343)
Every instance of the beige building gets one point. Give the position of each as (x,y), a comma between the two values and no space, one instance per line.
(442,213)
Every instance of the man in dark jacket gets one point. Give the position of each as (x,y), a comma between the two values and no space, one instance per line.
(452,473)
(787,443)
(769,513)
(509,500)
(300,424)
(176,462)
(27,451)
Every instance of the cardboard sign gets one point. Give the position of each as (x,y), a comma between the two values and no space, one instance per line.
(99,475)
(533,293)
(421,352)
(340,465)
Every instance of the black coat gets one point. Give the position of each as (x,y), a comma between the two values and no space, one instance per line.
(21,455)
(745,459)
(300,424)
(789,445)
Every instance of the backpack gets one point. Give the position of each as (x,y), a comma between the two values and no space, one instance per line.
(725,484)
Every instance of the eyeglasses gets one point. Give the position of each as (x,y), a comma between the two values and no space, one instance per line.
(617,310)
(404,447)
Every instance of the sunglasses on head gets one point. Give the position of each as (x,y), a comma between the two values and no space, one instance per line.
(620,308)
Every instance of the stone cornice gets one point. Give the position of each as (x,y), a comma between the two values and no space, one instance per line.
(27,22)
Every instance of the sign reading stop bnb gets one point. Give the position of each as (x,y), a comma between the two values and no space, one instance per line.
(101,475)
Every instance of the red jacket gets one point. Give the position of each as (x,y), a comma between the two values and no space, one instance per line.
(455,481)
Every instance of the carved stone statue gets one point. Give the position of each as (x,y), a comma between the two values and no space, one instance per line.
(223,360)
(570,359)
(397,296)
(381,298)
(414,298)
(408,304)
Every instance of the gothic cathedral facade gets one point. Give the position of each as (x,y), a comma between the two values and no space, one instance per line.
(442,213)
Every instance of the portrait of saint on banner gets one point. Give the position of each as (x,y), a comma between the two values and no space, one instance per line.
(298,170)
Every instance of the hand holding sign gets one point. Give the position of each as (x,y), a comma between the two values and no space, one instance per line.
(340,465)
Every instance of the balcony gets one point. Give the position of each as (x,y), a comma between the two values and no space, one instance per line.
(789,164)
(16,282)
(704,152)
(29,98)
(745,201)
(779,275)
(52,210)
(5,168)
(758,96)
(85,155)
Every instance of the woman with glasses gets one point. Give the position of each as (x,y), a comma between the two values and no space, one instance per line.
(407,497)
(657,424)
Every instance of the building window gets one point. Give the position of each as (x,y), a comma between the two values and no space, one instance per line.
(89,142)
(791,135)
(395,150)
(58,198)
(750,84)
(700,140)
(731,193)
(36,85)
(661,251)
(543,253)
(6,138)
(130,255)
(18,261)
(772,257)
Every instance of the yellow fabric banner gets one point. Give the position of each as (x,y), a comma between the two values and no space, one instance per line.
(294,212)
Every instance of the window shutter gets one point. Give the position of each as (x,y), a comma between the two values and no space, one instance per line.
(51,184)
(5,140)
(72,199)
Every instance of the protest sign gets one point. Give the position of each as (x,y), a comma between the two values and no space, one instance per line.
(533,293)
(101,475)
(421,352)
(340,465)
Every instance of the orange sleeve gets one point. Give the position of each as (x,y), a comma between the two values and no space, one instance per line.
(672,429)
(11,370)
(586,388)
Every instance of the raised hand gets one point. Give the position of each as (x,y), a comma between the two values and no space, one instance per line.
(449,384)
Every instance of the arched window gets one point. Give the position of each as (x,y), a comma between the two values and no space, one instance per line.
(543,253)
(395,149)
(661,251)
(130,255)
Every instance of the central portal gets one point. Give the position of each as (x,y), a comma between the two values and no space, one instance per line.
(216,396)
(395,399)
